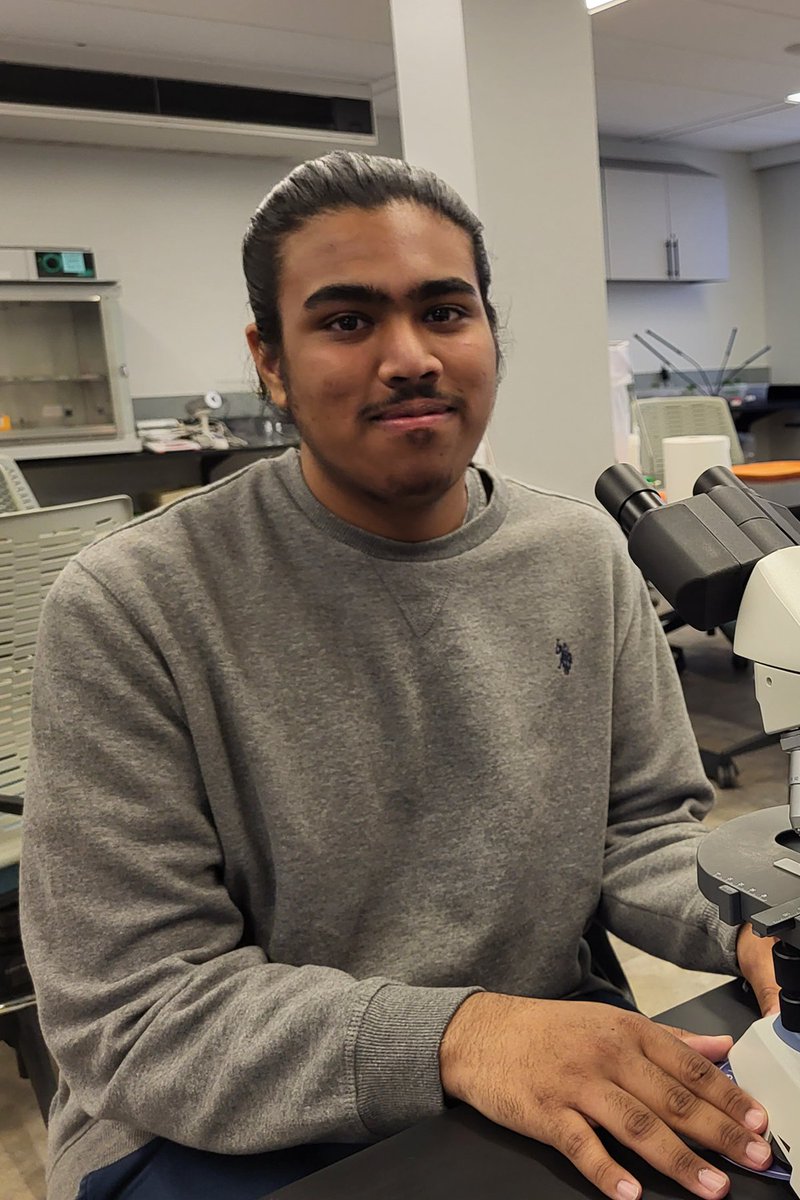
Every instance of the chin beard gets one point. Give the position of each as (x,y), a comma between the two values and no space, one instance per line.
(421,486)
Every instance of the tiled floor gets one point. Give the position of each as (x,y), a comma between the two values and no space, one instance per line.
(22,1139)
(723,711)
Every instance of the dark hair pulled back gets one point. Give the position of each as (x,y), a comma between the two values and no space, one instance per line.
(343,180)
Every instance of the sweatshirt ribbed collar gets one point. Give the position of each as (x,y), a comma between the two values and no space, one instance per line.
(472,534)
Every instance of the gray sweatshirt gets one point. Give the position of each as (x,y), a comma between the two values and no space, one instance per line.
(297,790)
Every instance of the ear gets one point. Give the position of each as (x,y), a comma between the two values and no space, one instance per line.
(268,365)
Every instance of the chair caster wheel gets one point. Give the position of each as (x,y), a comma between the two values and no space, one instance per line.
(726,775)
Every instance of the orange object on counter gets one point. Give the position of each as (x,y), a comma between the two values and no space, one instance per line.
(5,423)
(768,472)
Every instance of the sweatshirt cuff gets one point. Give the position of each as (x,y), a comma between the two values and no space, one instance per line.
(725,936)
(397,1054)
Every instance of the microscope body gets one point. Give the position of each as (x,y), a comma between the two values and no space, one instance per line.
(766,1063)
(726,554)
(749,868)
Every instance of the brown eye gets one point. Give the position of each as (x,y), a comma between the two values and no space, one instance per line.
(347,323)
(444,314)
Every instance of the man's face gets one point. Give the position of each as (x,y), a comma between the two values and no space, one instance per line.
(388,363)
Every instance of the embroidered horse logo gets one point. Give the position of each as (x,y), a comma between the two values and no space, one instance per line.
(564,657)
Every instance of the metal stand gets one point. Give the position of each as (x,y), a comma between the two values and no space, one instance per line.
(719,765)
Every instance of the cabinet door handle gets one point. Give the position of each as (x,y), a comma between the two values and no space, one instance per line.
(670,265)
(676,256)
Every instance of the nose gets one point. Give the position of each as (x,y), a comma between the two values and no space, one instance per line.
(406,355)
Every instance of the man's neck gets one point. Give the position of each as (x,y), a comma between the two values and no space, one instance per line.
(415,524)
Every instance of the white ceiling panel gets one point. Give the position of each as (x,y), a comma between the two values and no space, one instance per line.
(711,73)
(118,28)
(749,135)
(349,20)
(626,109)
(737,33)
(774,8)
(619,58)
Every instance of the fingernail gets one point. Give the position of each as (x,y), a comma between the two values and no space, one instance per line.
(628,1191)
(758,1153)
(712,1181)
(754,1118)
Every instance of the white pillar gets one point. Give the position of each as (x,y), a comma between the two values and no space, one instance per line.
(507,87)
(433,90)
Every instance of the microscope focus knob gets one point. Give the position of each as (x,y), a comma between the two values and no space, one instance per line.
(787,966)
(787,972)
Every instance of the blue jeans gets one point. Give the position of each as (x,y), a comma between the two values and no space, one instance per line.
(163,1170)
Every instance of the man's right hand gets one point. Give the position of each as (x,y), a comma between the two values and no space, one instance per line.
(553,1069)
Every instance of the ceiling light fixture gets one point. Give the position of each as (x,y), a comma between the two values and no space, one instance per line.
(794,98)
(598,5)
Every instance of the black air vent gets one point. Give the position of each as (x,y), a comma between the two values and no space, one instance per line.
(106,91)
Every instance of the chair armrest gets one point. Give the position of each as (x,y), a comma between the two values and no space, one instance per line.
(10,804)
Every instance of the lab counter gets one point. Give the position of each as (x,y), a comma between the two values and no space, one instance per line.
(141,475)
(463,1156)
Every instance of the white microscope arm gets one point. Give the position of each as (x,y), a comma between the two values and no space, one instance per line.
(768,633)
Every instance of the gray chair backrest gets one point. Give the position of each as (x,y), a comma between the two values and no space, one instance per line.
(681,416)
(34,547)
(15,492)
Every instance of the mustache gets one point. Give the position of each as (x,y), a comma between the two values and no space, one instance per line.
(413,391)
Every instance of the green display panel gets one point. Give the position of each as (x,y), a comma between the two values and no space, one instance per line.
(65,264)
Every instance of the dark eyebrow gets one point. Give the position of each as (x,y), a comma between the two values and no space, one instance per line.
(346,293)
(442,287)
(363,293)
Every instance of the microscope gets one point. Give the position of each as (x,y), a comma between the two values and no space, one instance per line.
(727,554)
(202,409)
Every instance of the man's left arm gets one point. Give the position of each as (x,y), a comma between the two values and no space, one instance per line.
(658,797)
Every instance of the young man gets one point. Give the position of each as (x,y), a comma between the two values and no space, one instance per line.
(335,763)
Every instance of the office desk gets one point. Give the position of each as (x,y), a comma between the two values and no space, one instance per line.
(746,416)
(779,397)
(138,475)
(462,1156)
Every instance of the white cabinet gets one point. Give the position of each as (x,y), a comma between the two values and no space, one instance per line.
(699,225)
(664,225)
(637,224)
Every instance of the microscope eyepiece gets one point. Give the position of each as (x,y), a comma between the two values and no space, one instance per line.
(718,477)
(626,495)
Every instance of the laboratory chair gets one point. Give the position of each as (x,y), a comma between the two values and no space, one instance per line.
(681,416)
(35,544)
(15,492)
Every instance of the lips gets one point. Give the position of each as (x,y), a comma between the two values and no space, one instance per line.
(414,408)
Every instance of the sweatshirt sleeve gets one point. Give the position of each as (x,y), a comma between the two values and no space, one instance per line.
(658,798)
(159,1013)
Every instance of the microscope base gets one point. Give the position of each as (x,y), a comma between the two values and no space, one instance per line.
(769,1069)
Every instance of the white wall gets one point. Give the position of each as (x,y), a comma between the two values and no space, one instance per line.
(174,224)
(780,200)
(698,317)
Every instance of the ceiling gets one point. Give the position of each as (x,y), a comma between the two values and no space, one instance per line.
(708,73)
